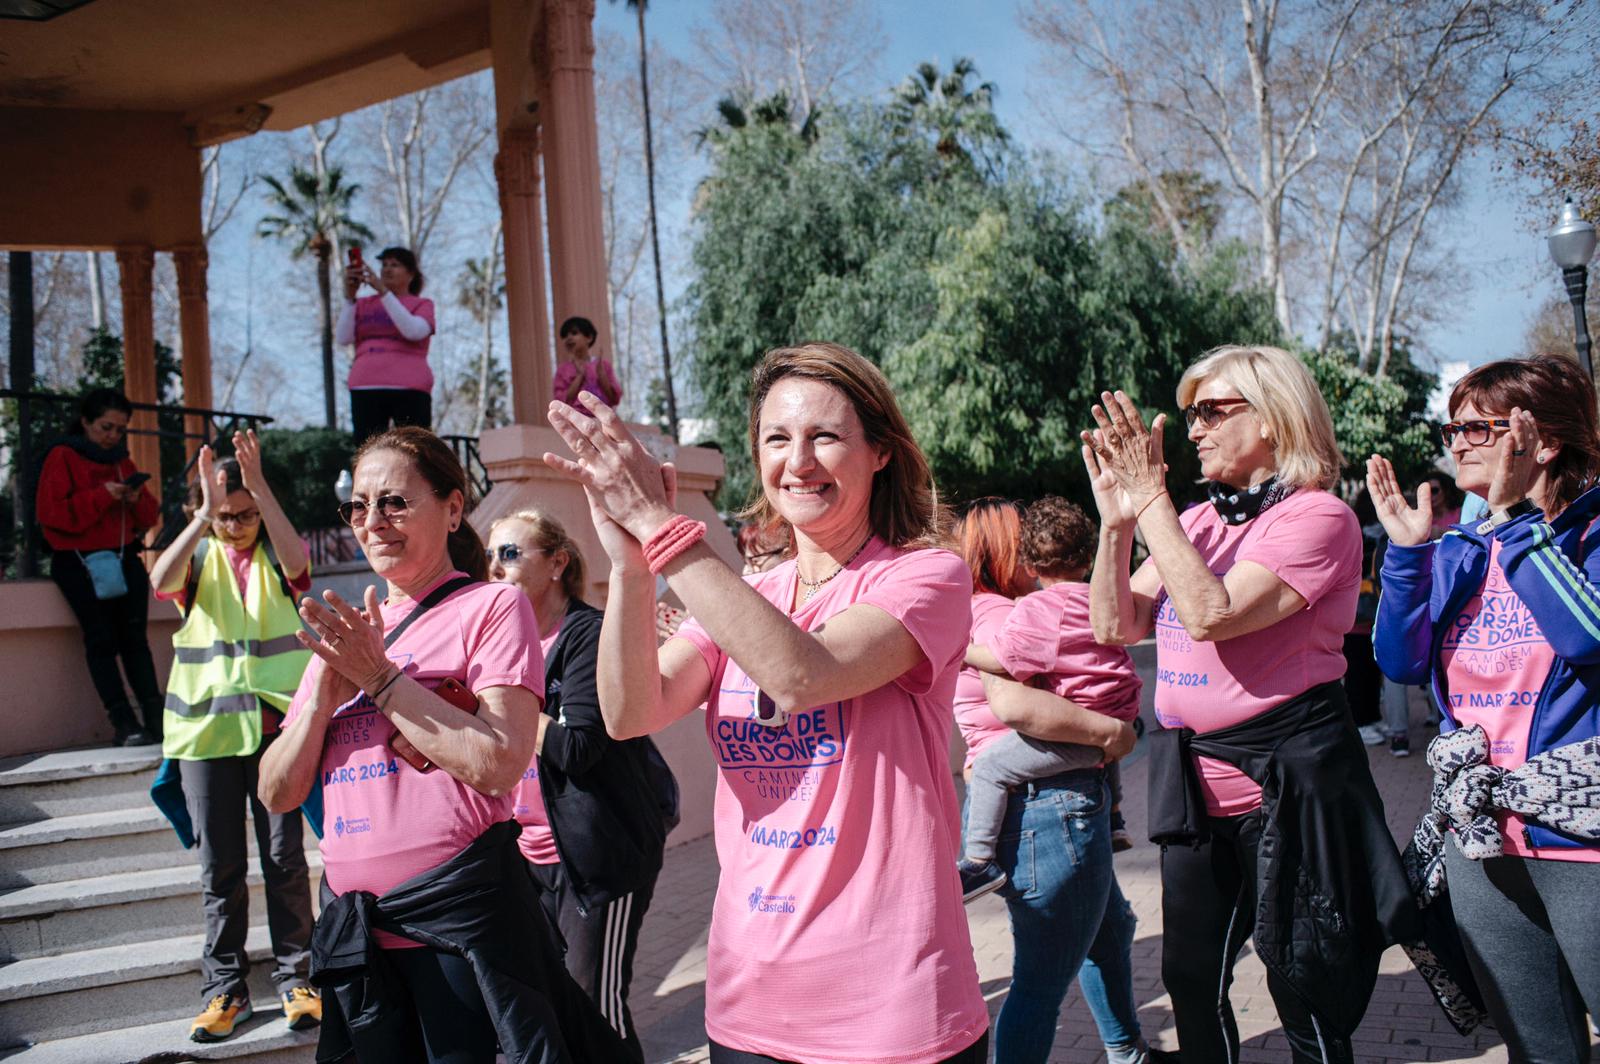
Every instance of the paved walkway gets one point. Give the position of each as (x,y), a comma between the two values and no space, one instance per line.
(1402,1024)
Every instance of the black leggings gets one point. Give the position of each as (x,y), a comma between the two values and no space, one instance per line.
(1208,902)
(112,629)
(976,1053)
(456,1027)
(372,410)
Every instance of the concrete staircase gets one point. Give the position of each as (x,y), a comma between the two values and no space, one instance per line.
(101,925)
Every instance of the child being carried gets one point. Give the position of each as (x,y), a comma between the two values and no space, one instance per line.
(1046,641)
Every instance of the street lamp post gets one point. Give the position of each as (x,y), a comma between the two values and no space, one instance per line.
(1572,244)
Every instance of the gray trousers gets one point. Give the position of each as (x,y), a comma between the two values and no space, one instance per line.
(1010,761)
(219,794)
(1533,943)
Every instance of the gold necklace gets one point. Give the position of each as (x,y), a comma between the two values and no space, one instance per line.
(813,586)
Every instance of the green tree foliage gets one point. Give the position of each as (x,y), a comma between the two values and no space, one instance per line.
(1386,415)
(302,466)
(995,306)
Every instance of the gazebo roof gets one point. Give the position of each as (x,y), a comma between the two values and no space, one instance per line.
(232,68)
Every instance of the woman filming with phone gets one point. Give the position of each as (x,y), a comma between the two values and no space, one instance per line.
(390,382)
(417,717)
(93,506)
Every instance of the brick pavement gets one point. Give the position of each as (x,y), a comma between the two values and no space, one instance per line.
(1402,1024)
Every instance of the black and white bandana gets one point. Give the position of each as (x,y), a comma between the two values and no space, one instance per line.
(1238,505)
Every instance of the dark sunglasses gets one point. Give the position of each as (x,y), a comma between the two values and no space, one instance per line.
(1477,432)
(1210,412)
(391,507)
(509,553)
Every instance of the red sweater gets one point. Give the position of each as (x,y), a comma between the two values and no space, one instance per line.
(77,513)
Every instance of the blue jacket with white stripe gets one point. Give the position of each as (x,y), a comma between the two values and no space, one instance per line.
(1554,568)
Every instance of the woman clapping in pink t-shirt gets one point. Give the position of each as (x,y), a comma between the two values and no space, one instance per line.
(838,933)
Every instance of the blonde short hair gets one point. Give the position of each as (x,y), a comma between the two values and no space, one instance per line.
(1283,394)
(550,536)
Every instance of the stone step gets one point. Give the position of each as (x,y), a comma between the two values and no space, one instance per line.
(112,910)
(69,782)
(84,845)
(265,1039)
(47,998)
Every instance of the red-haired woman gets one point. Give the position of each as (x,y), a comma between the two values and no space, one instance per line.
(1503,619)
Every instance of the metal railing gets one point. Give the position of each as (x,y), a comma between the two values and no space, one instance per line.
(466,449)
(45,416)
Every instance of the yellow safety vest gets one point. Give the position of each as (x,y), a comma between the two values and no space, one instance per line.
(231,652)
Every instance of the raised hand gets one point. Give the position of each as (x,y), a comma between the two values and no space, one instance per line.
(247,451)
(1131,453)
(1116,509)
(1406,525)
(352,281)
(1519,466)
(624,481)
(349,641)
(213,484)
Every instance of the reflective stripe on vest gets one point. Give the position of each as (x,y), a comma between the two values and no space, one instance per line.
(232,653)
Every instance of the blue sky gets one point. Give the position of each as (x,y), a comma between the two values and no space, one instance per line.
(1502,271)
(1505,274)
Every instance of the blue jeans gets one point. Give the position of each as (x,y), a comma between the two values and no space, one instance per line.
(1067,913)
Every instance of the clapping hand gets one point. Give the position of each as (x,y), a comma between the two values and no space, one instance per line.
(348,640)
(213,483)
(628,488)
(1124,458)
(1406,525)
(1519,466)
(247,452)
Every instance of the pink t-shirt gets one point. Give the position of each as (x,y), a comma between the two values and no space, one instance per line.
(838,933)
(979,726)
(537,841)
(384,358)
(1312,542)
(598,378)
(1048,634)
(1496,661)
(385,821)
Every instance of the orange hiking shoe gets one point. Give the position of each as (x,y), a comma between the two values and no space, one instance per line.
(221,1018)
(302,1007)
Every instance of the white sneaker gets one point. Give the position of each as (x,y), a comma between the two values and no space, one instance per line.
(1372,734)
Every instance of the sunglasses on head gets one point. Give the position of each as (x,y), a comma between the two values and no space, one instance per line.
(1210,412)
(509,553)
(1478,431)
(391,507)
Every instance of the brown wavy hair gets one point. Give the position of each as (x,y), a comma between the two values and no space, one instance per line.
(1058,538)
(904,510)
(1561,399)
(436,463)
(989,539)
(550,536)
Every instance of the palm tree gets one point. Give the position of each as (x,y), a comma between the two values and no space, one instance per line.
(960,117)
(313,214)
(638,6)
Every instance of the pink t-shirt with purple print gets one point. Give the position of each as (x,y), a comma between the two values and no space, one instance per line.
(384,358)
(1048,634)
(838,933)
(979,726)
(1312,542)
(384,821)
(1496,660)
(537,841)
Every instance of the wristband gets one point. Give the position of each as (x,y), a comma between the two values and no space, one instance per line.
(386,685)
(1146,506)
(671,540)
(1509,514)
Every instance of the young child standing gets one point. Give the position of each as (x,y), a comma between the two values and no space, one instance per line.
(1046,639)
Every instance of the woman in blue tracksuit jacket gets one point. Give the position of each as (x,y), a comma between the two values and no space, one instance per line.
(1502,618)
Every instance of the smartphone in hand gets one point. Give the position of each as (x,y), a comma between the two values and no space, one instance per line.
(136,481)
(355,255)
(452,691)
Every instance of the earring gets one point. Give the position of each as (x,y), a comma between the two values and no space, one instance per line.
(1542,458)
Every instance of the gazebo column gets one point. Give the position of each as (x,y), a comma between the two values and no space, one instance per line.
(516,170)
(572,168)
(194,325)
(135,266)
